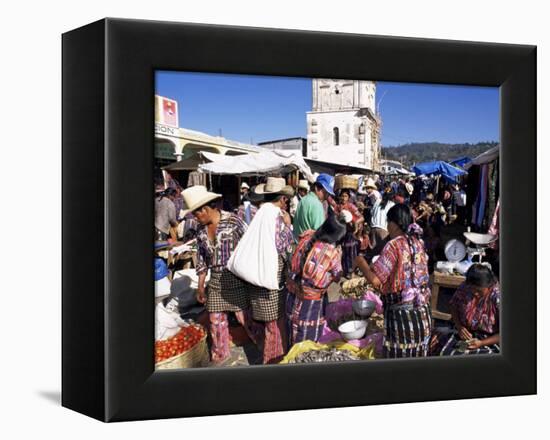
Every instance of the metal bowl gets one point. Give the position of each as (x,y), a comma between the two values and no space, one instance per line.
(353,330)
(363,307)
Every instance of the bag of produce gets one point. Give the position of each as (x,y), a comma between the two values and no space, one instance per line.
(336,351)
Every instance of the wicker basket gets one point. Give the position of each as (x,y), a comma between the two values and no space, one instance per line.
(347,182)
(195,357)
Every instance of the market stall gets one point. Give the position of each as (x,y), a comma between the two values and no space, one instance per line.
(483,188)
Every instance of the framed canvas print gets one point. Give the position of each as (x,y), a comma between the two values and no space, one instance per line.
(262,219)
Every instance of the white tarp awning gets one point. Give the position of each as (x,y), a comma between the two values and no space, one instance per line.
(273,161)
(489,156)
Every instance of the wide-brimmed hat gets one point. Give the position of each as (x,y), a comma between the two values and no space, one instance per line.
(196,197)
(370,183)
(253,196)
(273,185)
(303,184)
(244,185)
(287,191)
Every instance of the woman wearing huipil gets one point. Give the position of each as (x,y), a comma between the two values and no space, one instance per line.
(401,275)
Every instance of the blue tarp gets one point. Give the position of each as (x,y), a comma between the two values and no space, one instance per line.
(448,171)
(461,161)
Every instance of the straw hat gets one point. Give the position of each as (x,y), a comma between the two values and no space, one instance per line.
(303,184)
(370,183)
(196,197)
(274,185)
(288,191)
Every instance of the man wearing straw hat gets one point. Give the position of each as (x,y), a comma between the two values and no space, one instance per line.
(301,192)
(268,305)
(217,237)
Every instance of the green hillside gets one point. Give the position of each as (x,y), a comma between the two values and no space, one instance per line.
(413,153)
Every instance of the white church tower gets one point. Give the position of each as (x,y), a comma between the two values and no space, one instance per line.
(343,127)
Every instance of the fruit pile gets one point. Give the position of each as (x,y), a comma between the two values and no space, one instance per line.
(186,339)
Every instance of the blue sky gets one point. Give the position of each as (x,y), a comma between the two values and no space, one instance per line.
(253,109)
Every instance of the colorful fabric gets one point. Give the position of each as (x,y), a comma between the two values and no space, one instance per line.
(449,344)
(226,293)
(214,255)
(350,250)
(309,215)
(283,236)
(407,330)
(399,274)
(274,342)
(477,313)
(354,211)
(494,229)
(219,334)
(306,318)
(322,266)
(246,212)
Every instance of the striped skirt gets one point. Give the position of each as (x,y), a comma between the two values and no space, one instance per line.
(226,293)
(407,329)
(305,318)
(450,344)
(350,250)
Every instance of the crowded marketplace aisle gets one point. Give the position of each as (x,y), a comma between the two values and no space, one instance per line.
(348,267)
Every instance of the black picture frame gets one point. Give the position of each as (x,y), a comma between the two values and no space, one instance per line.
(108,138)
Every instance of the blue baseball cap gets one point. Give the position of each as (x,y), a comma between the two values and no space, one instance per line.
(327,182)
(161,270)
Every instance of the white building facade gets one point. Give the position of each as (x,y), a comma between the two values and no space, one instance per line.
(343,127)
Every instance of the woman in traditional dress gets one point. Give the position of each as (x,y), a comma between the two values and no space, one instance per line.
(315,264)
(350,245)
(475,308)
(401,275)
(217,237)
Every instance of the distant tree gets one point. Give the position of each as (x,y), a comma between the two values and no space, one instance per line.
(412,153)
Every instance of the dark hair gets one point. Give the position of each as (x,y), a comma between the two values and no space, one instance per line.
(274,197)
(386,197)
(345,190)
(168,192)
(332,231)
(402,192)
(479,275)
(318,186)
(400,214)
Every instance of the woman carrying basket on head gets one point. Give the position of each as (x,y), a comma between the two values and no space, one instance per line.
(401,275)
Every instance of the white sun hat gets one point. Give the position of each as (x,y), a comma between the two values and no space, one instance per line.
(370,183)
(273,185)
(197,196)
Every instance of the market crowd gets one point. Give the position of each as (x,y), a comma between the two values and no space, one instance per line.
(272,259)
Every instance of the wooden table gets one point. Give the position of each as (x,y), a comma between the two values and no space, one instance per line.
(440,279)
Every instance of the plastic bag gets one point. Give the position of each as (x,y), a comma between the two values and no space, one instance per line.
(303,347)
(255,258)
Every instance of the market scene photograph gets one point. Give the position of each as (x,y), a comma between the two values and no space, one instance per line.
(303,220)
